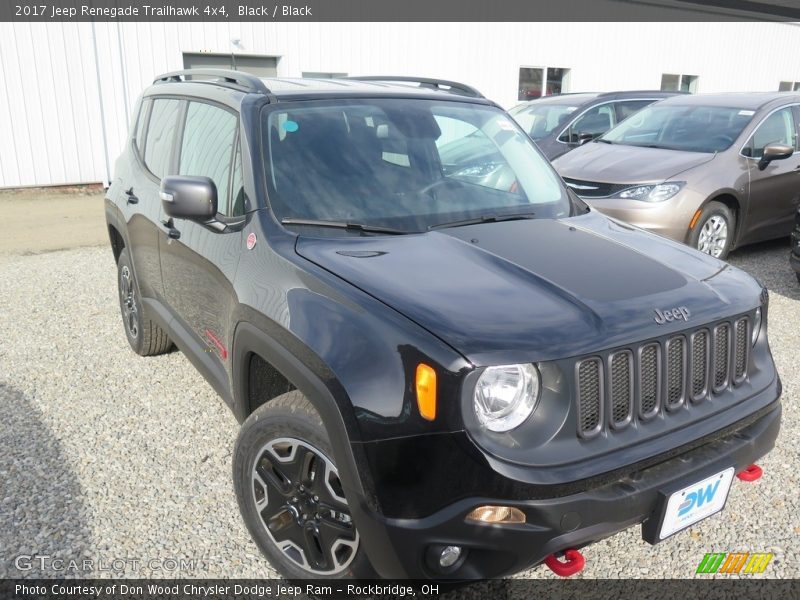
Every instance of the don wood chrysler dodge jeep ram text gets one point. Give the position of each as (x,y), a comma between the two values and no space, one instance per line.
(446,364)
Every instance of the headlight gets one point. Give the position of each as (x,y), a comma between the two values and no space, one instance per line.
(756,325)
(652,193)
(505,396)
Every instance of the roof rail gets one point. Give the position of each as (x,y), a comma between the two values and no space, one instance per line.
(239,79)
(436,84)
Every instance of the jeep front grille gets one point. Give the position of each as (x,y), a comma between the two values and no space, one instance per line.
(621,379)
(636,384)
(742,350)
(722,357)
(699,366)
(676,372)
(590,395)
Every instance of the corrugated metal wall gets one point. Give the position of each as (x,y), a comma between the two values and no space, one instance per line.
(68,88)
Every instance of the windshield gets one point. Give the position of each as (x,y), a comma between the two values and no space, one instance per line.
(541,120)
(689,128)
(408,165)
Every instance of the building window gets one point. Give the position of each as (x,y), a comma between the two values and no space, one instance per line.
(679,83)
(789,86)
(535,82)
(322,75)
(255,64)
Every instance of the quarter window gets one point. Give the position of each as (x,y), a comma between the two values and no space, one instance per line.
(161,132)
(207,148)
(778,128)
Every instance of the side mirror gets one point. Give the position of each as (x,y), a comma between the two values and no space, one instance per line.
(189,197)
(774,152)
(585,137)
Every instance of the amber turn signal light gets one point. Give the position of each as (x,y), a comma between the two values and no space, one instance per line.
(426,391)
(499,515)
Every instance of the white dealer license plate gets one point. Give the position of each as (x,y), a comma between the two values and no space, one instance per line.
(696,502)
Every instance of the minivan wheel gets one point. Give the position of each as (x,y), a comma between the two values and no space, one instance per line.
(290,494)
(713,232)
(144,335)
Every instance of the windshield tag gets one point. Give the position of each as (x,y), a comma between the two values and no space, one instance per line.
(746,113)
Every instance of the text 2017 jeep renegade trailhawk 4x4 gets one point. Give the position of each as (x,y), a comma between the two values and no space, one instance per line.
(446,364)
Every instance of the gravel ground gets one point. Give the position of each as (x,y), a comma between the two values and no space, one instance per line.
(109,456)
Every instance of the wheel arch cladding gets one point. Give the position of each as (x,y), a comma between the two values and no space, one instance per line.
(280,369)
(117,242)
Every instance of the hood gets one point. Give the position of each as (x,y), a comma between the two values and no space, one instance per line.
(626,164)
(534,290)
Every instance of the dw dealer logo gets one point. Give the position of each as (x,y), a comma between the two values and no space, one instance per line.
(698,497)
(732,563)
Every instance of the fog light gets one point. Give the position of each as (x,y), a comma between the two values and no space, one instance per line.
(449,556)
(497,515)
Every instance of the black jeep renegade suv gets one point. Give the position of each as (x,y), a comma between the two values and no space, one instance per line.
(446,365)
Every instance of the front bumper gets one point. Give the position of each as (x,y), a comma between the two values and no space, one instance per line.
(669,219)
(555,524)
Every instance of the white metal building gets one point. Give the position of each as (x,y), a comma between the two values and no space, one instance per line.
(68,89)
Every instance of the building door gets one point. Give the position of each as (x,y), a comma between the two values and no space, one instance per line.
(260,66)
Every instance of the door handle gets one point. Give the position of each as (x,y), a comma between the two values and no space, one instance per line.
(172,233)
(132,199)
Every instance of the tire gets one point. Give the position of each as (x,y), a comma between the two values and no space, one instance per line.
(304,531)
(715,219)
(144,335)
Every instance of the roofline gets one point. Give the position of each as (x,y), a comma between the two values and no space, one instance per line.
(771,97)
(248,83)
(444,85)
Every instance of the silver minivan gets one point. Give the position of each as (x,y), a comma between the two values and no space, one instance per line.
(715,171)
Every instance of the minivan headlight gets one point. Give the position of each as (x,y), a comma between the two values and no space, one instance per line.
(505,396)
(652,193)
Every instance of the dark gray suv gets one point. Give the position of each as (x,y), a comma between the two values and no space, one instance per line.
(562,122)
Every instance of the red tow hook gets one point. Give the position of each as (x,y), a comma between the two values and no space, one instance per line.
(573,563)
(750,473)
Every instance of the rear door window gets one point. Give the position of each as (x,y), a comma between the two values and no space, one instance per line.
(207,148)
(161,131)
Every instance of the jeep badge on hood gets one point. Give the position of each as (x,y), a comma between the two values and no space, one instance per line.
(674,314)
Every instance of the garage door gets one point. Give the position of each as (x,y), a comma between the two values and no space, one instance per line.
(260,66)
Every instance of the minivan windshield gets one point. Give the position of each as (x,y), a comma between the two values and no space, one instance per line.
(403,165)
(675,127)
(540,120)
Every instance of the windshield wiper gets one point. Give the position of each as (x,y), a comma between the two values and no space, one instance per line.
(343,225)
(485,219)
(603,140)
